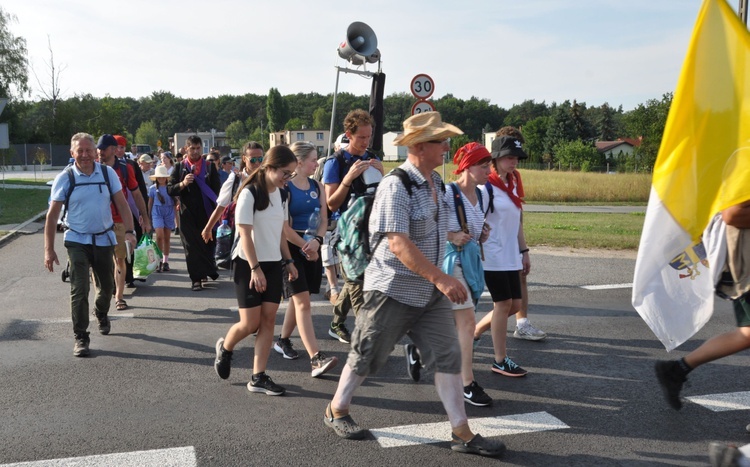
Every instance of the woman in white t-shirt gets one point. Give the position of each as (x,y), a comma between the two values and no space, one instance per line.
(505,252)
(261,256)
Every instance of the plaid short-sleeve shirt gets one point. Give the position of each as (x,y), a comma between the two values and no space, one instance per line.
(425,222)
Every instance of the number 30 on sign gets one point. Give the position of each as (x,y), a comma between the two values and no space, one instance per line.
(422,86)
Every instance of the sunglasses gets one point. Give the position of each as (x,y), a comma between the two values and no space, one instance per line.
(287,175)
(440,141)
(256,160)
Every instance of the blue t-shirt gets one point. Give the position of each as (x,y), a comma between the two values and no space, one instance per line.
(223,175)
(163,190)
(88,206)
(302,204)
(331,167)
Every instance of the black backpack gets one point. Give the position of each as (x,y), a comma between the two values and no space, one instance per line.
(72,184)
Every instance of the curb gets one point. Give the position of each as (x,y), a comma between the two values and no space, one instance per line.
(12,234)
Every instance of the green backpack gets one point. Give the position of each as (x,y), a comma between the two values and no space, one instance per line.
(353,242)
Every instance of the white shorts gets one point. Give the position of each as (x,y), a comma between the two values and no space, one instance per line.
(328,253)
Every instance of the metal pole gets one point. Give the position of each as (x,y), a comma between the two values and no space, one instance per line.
(333,113)
(742,11)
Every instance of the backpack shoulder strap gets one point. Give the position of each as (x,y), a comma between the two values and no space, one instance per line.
(405,178)
(71,185)
(490,204)
(458,205)
(235,184)
(105,175)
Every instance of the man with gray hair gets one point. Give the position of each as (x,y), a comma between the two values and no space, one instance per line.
(86,191)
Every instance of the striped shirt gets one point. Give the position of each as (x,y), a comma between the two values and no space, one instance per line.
(422,219)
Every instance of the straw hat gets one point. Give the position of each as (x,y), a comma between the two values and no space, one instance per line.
(425,126)
(159,172)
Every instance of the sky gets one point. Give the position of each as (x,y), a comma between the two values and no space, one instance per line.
(594,51)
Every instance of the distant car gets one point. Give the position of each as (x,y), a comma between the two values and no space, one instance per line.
(143,148)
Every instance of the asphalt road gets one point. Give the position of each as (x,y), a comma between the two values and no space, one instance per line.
(150,384)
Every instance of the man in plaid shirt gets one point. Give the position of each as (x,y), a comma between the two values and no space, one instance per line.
(406,291)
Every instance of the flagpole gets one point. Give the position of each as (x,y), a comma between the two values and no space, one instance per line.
(742,11)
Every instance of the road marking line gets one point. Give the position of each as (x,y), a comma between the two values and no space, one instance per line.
(171,457)
(428,433)
(607,286)
(723,402)
(112,316)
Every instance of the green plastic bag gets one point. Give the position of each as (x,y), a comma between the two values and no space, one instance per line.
(146,258)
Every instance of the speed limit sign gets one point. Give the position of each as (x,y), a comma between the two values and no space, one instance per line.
(422,86)
(422,106)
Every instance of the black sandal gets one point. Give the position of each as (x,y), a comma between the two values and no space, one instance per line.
(197,286)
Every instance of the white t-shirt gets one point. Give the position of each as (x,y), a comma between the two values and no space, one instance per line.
(225,194)
(501,250)
(267,225)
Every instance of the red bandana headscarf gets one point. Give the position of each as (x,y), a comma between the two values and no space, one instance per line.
(468,155)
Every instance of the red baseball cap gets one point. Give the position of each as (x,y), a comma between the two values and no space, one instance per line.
(121,141)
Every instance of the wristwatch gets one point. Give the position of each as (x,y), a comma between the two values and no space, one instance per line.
(287,261)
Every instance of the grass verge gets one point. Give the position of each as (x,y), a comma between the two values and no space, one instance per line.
(583,230)
(19,205)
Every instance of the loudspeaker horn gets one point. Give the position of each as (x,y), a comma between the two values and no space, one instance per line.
(360,43)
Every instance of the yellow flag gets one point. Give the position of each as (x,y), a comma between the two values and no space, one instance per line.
(703,167)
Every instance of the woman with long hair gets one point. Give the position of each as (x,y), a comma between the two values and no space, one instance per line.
(506,254)
(261,257)
(306,195)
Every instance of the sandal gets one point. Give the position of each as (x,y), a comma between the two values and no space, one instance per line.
(197,286)
(344,426)
(478,445)
(121,305)
(165,267)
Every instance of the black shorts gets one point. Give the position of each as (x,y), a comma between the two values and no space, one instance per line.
(310,274)
(249,297)
(503,285)
(742,310)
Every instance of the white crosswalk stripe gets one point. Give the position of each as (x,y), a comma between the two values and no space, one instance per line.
(723,402)
(172,457)
(429,433)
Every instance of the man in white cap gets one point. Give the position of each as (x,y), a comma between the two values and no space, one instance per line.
(406,291)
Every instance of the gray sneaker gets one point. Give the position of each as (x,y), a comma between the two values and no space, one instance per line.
(81,347)
(321,364)
(529,333)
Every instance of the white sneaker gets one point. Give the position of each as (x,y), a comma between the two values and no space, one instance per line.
(529,333)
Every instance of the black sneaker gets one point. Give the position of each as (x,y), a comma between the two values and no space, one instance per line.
(475,395)
(223,363)
(671,379)
(81,347)
(322,364)
(413,362)
(104,325)
(478,445)
(263,383)
(508,368)
(284,347)
(339,331)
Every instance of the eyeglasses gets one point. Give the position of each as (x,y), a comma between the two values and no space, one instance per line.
(287,175)
(256,160)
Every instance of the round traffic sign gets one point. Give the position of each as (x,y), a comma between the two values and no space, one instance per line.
(422,86)
(422,106)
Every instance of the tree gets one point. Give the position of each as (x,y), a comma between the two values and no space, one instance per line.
(54,93)
(147,134)
(236,133)
(648,120)
(321,118)
(14,61)
(560,128)
(276,111)
(577,155)
(535,132)
(295,123)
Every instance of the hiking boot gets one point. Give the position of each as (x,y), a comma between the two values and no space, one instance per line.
(413,362)
(475,395)
(508,368)
(223,363)
(284,347)
(263,383)
(671,379)
(529,332)
(478,445)
(104,325)
(339,331)
(344,427)
(322,364)
(81,347)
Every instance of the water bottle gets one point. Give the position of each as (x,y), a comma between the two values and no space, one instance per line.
(223,230)
(313,223)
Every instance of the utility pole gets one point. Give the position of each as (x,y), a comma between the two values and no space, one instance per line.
(742,11)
